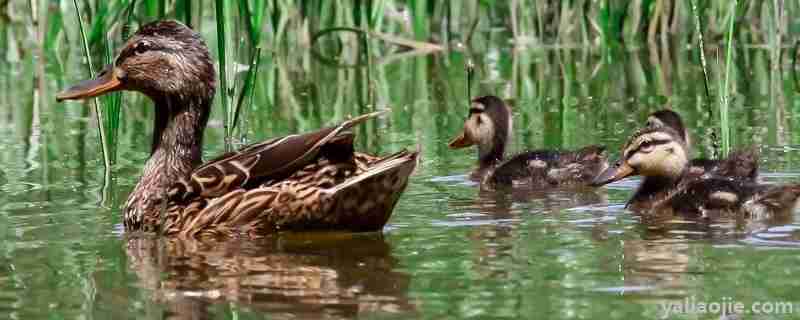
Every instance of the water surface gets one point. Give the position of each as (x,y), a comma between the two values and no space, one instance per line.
(450,249)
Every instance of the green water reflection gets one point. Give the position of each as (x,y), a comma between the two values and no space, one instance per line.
(449,250)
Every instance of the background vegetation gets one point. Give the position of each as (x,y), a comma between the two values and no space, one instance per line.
(267,51)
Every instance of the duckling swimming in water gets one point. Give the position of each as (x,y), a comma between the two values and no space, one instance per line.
(489,127)
(660,155)
(740,164)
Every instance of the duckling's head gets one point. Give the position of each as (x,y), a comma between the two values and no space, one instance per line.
(163,59)
(657,152)
(671,119)
(488,126)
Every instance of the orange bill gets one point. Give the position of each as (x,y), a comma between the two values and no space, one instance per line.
(462,141)
(617,172)
(105,82)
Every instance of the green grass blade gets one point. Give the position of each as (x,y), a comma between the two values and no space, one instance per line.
(249,85)
(253,16)
(151,8)
(55,24)
(724,96)
(162,9)
(221,11)
(185,12)
(126,29)
(704,65)
(98,110)
(113,102)
(419,18)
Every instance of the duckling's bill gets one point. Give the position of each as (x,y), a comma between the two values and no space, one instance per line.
(616,172)
(462,141)
(106,81)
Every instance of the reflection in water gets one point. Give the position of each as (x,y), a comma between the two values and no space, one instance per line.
(300,275)
(497,215)
(666,260)
(499,203)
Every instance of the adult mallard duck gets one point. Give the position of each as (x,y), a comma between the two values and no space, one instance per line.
(304,181)
(660,155)
(488,126)
(740,164)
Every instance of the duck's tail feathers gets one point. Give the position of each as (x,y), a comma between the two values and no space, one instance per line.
(400,164)
(366,201)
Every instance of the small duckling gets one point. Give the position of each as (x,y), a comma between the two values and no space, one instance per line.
(660,156)
(739,163)
(489,127)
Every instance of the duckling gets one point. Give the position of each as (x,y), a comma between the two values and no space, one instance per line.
(660,155)
(739,163)
(489,127)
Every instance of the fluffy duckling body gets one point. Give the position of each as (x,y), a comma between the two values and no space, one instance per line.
(740,164)
(305,181)
(660,156)
(488,126)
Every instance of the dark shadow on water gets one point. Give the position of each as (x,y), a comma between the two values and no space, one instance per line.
(313,275)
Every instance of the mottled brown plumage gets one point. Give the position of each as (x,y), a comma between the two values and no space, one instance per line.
(305,181)
(739,164)
(488,126)
(660,156)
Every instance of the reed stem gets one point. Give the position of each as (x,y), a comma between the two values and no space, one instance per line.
(724,96)
(97,109)
(249,85)
(221,11)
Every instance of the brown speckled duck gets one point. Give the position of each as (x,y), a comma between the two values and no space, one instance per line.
(660,155)
(489,127)
(740,164)
(306,181)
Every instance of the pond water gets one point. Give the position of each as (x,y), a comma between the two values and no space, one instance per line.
(450,250)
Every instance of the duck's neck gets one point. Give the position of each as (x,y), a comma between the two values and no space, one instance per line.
(653,189)
(176,150)
(177,137)
(491,155)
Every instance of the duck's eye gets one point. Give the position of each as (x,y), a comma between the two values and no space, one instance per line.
(141,47)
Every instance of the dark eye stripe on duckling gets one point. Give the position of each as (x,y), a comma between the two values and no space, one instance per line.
(646,144)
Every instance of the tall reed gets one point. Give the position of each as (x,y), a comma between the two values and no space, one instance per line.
(98,110)
(249,85)
(221,19)
(724,95)
(698,29)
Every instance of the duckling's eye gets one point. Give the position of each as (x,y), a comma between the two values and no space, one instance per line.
(647,146)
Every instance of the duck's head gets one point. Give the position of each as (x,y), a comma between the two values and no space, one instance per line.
(657,152)
(671,119)
(488,126)
(164,59)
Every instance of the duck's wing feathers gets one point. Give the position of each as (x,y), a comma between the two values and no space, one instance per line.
(321,198)
(269,160)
